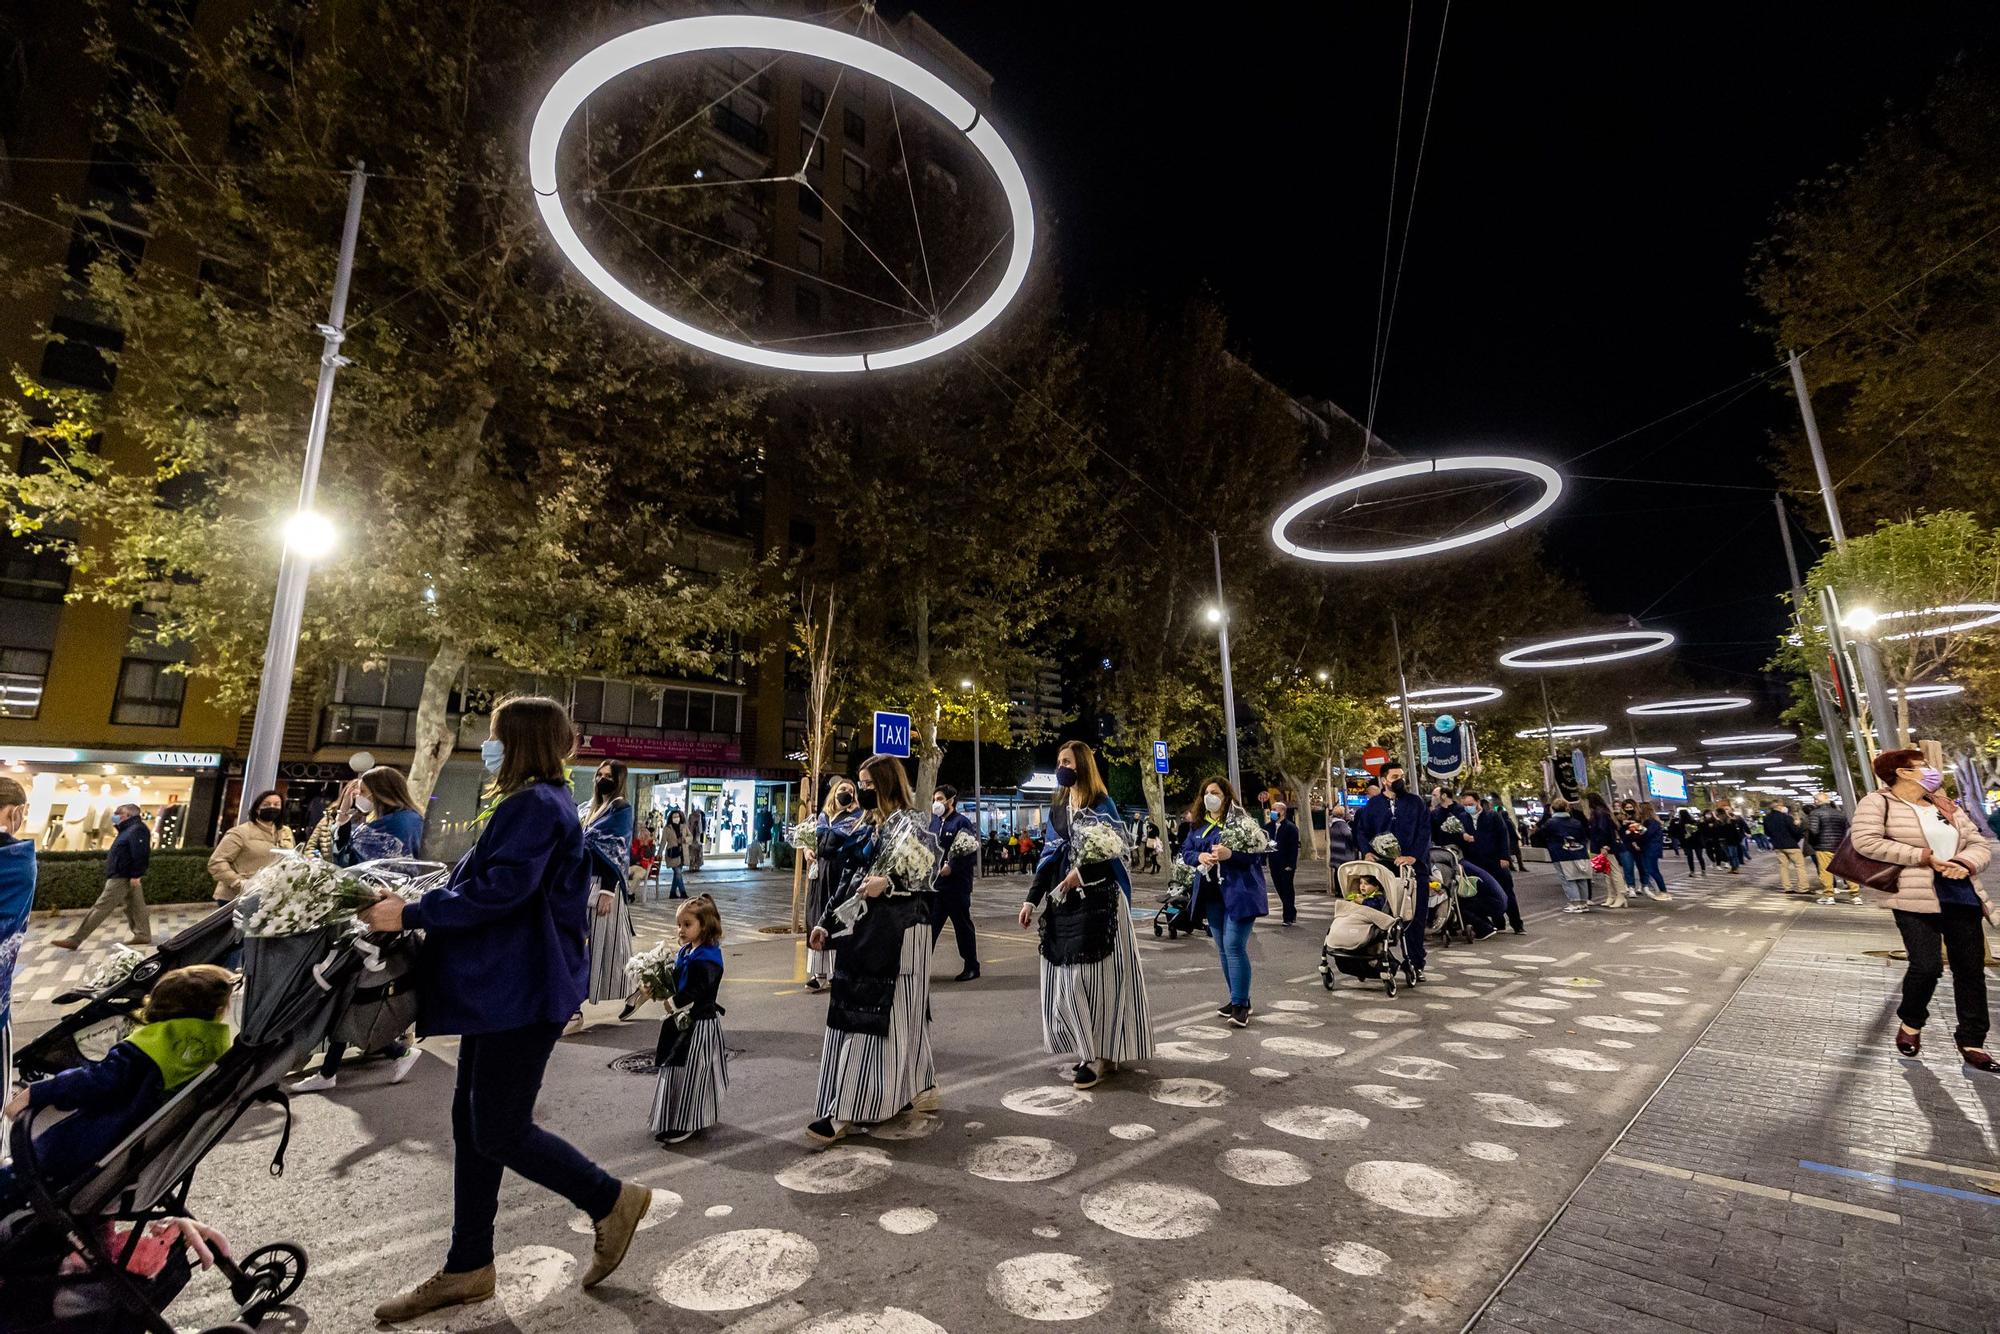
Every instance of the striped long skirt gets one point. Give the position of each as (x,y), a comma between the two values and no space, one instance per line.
(1097,1011)
(866,1078)
(689,1096)
(610,947)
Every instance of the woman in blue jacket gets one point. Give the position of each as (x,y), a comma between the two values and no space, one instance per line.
(503,965)
(1229,890)
(1646,837)
(17,896)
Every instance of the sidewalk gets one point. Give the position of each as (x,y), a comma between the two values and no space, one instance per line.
(1791,1174)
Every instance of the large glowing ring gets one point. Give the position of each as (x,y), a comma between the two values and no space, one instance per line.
(1631,752)
(1551,480)
(1935,690)
(751,31)
(1565,729)
(1705,704)
(1983,613)
(1745,760)
(1655,640)
(1748,739)
(1462,697)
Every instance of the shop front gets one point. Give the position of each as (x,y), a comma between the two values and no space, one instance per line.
(73,790)
(667,774)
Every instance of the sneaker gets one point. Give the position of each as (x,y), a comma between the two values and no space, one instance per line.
(1225,1009)
(399,1069)
(1659,894)
(614,1232)
(828,1131)
(1827,900)
(1239,1016)
(1086,1076)
(1520,930)
(62,944)
(320,1084)
(1576,907)
(440,1290)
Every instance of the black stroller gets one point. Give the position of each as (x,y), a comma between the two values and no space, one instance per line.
(1175,916)
(86,1033)
(145,1179)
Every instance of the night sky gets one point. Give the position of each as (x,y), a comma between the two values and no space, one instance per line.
(1593,188)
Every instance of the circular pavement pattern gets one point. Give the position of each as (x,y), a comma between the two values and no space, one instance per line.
(1151,1210)
(1417,1189)
(734,1270)
(1616,1023)
(907,1222)
(836,1171)
(1575,1058)
(1331,1123)
(1048,1100)
(1508,1110)
(1050,1285)
(1019,1158)
(1264,1167)
(1188,1093)
(1352,1257)
(1238,1305)
(1486,1151)
(1132,1130)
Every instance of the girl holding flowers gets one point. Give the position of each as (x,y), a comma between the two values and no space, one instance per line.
(1227,849)
(876,1061)
(1093,990)
(693,1062)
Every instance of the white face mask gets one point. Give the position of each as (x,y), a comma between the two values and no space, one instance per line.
(1212,801)
(937,809)
(364,805)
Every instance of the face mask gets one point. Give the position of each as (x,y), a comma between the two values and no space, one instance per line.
(1397,786)
(365,806)
(1066,778)
(677,822)
(605,786)
(1470,810)
(490,754)
(868,798)
(1929,779)
(937,809)
(268,814)
(1213,802)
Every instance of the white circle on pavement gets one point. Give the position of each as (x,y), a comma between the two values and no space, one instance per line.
(1576,981)
(1480,1028)
(1388,1095)
(665,1205)
(1132,1130)
(718,1211)
(1561,1086)
(907,1222)
(1267,1072)
(1188,1093)
(1414,1067)
(734,1270)
(1574,1058)
(1416,1189)
(1237,1305)
(1450,993)
(1264,1167)
(1307,1047)
(1651,1014)
(1285,1019)
(1189,1051)
(1386,1017)
(1508,1110)
(888,1320)
(1047,1233)
(1522,1017)
(1530,958)
(1317,1122)
(1018,1158)
(1486,1151)
(1049,1285)
(1202,1033)
(1352,1257)
(1500,973)
(1048,1100)
(527,1277)
(843,1168)
(1651,998)
(1151,1210)
(1292,1005)
(1616,1023)
(910,1125)
(1615,1044)
(1365,1034)
(1472,1051)
(1539,1003)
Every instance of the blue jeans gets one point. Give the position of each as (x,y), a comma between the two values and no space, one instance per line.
(1232,943)
(1629,864)
(493,1129)
(679,887)
(1649,871)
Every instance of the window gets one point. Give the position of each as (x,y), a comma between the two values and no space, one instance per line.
(701,711)
(78,356)
(23,673)
(856,126)
(854,173)
(149,694)
(809,253)
(805,305)
(92,239)
(32,576)
(812,98)
(809,205)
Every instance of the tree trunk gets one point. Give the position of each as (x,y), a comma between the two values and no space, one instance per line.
(435,735)
(929,757)
(1155,790)
(1298,796)
(1903,717)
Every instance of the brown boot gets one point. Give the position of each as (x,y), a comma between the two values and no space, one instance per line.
(614,1232)
(440,1290)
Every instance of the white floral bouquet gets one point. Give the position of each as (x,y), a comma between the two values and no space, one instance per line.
(1242,834)
(905,853)
(1452,826)
(652,971)
(964,845)
(804,835)
(1097,840)
(296,895)
(114,970)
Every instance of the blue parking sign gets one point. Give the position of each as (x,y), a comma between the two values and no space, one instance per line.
(1159,757)
(892,734)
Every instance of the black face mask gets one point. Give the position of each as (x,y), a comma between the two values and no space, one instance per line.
(606,786)
(268,815)
(1399,787)
(1066,778)
(868,798)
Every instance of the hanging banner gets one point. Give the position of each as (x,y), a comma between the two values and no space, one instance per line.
(1444,747)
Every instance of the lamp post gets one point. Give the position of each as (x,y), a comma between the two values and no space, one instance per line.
(978,808)
(308,534)
(1220,619)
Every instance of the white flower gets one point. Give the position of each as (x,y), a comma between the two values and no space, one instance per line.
(295,895)
(804,835)
(113,970)
(1096,839)
(1242,834)
(964,845)
(653,969)
(906,854)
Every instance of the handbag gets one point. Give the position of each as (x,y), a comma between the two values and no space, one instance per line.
(1600,862)
(1849,865)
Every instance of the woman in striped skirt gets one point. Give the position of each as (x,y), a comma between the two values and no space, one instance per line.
(876,1061)
(693,1062)
(836,824)
(1093,990)
(607,836)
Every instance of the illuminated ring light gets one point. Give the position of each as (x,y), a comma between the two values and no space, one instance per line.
(1983,613)
(1654,641)
(1551,480)
(1688,766)
(1936,690)
(1630,752)
(1745,761)
(1565,730)
(1428,699)
(1705,704)
(747,31)
(1748,739)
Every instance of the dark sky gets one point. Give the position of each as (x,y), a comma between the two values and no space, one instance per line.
(1595,182)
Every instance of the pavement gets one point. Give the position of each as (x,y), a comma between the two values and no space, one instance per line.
(1675,1116)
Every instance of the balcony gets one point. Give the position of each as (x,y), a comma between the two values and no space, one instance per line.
(370,725)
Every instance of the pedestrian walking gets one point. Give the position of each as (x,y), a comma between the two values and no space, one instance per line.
(1567,841)
(697,848)
(1645,839)
(17,899)
(1401,812)
(763,824)
(607,834)
(876,1062)
(249,846)
(1732,836)
(504,967)
(838,819)
(674,845)
(1688,833)
(1937,902)
(692,1058)
(1284,861)
(1785,835)
(1494,852)
(1229,886)
(1826,827)
(124,871)
(1607,849)
(954,883)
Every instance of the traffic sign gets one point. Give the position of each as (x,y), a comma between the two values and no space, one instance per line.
(892,734)
(1159,757)
(1374,759)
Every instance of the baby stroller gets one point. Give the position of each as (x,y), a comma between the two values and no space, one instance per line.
(86,1033)
(146,1178)
(1447,876)
(1375,906)
(1176,912)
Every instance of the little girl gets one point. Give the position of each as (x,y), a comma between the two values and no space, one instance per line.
(693,1063)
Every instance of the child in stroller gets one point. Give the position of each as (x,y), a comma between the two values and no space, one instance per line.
(1174,916)
(1377,901)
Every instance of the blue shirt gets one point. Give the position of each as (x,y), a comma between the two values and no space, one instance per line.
(131,852)
(1054,847)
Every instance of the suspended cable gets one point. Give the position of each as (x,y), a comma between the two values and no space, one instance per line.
(1388,231)
(1409,216)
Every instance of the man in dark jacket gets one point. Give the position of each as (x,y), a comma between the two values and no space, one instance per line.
(125,865)
(1493,852)
(1826,829)
(1784,833)
(1401,812)
(1284,863)
(954,884)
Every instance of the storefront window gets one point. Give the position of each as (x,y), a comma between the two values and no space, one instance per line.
(71,812)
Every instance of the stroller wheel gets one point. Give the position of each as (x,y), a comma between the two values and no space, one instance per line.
(1158,930)
(1389,985)
(270,1275)
(1327,978)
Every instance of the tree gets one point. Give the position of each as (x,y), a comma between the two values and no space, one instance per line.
(518,469)
(1313,728)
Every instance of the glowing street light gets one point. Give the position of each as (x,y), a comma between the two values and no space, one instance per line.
(1861,620)
(1213,615)
(309,535)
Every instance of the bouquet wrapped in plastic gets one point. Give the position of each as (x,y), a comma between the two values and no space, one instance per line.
(1243,834)
(652,971)
(113,970)
(804,835)
(906,853)
(295,895)
(963,845)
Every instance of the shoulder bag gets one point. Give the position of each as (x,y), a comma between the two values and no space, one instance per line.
(1851,866)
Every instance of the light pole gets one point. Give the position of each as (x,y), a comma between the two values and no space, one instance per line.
(978,808)
(308,535)
(1220,619)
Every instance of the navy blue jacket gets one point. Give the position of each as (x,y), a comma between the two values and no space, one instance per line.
(1285,845)
(1604,834)
(105,1099)
(1781,829)
(1566,838)
(1468,829)
(131,852)
(1056,847)
(1652,836)
(957,875)
(397,833)
(506,938)
(1242,876)
(1491,840)
(1408,817)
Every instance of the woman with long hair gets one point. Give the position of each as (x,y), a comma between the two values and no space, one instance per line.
(876,1060)
(839,816)
(504,967)
(1605,839)
(607,835)
(674,843)
(1229,887)
(1094,1007)
(1646,837)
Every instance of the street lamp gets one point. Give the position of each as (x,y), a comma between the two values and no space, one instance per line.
(1215,617)
(309,535)
(978,807)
